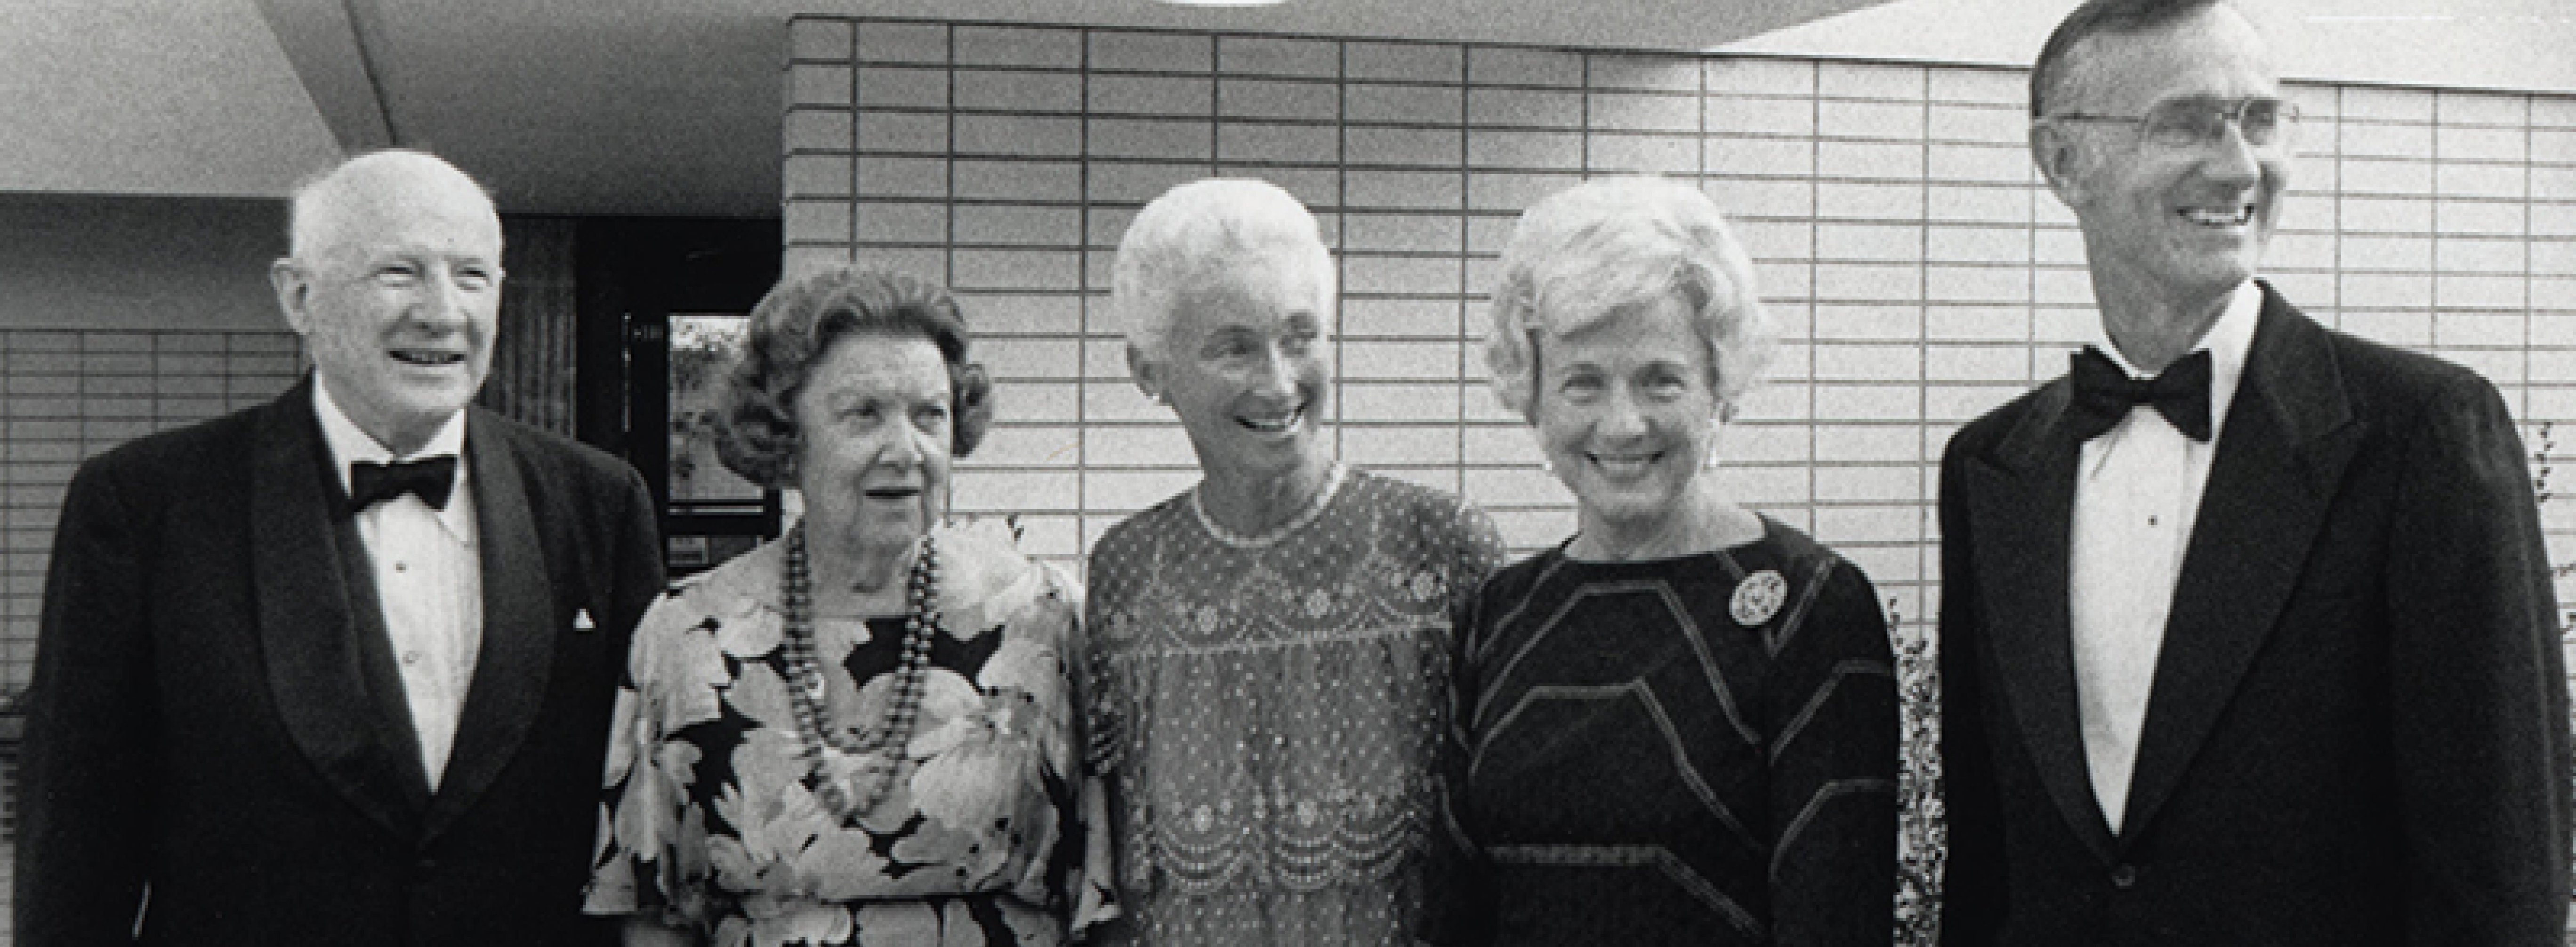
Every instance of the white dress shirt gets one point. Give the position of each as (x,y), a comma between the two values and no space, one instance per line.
(429,583)
(2137,494)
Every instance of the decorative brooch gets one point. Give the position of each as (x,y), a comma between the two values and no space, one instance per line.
(1758,598)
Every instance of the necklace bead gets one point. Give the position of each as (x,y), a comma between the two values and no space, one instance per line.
(872,756)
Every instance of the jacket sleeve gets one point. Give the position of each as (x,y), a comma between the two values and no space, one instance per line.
(86,796)
(1972,886)
(635,555)
(2479,709)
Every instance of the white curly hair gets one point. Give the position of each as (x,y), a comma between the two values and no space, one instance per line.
(1597,251)
(1195,233)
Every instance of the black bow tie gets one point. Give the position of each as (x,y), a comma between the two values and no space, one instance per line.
(2104,394)
(430,477)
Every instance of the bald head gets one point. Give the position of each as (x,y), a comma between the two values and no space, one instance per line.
(394,281)
(364,192)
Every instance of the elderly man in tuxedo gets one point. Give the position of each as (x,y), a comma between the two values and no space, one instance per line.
(337,669)
(2247,630)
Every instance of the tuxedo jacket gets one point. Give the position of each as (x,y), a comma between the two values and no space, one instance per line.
(2357,733)
(217,738)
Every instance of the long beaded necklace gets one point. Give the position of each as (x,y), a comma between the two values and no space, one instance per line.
(866,758)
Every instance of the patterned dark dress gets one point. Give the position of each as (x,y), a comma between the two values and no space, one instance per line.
(710,823)
(1699,750)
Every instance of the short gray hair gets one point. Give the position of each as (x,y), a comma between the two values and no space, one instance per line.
(2051,74)
(1194,233)
(1594,252)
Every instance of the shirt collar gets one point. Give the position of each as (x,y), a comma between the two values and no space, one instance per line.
(349,443)
(2228,340)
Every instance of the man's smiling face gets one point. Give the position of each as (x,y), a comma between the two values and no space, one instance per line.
(2186,222)
(399,296)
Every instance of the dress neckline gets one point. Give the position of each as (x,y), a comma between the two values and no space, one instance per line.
(1323,498)
(1770,529)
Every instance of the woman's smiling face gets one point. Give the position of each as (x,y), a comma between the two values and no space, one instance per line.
(1625,410)
(1244,368)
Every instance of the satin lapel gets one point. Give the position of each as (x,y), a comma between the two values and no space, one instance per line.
(2287,438)
(308,634)
(517,654)
(2022,498)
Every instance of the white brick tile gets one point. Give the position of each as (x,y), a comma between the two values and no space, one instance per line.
(1152,52)
(1179,139)
(1278,56)
(1511,65)
(1277,141)
(1403,103)
(1643,112)
(1644,71)
(1277,98)
(1763,76)
(1870,159)
(811,38)
(903,42)
(1524,107)
(1427,62)
(1152,95)
(1019,91)
(1012,46)
(903,86)
(1671,155)
(1897,120)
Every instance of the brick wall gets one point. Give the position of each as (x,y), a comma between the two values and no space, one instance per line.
(71,394)
(1921,272)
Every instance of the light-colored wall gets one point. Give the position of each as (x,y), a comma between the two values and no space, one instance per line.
(1921,273)
(84,261)
(2519,45)
(118,316)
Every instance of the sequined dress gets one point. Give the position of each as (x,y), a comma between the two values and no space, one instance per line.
(1266,710)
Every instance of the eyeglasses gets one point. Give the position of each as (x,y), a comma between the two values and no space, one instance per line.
(2192,123)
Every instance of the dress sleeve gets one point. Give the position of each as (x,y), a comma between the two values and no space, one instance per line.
(1833,725)
(650,858)
(1457,908)
(1479,552)
(1084,877)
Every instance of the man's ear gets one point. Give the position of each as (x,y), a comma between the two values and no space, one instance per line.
(1147,373)
(2060,158)
(294,292)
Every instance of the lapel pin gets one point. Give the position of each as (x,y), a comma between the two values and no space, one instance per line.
(1758,598)
(581,620)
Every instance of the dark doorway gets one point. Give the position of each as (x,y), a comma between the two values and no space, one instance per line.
(659,299)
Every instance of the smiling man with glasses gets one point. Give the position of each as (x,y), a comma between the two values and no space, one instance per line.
(2247,627)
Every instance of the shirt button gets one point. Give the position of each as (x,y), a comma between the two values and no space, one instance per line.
(410,658)
(2124,877)
(402,567)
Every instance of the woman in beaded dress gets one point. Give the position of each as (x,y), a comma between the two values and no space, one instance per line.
(1679,726)
(1269,645)
(863,733)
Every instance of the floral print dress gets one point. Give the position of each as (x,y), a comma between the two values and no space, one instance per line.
(709,822)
